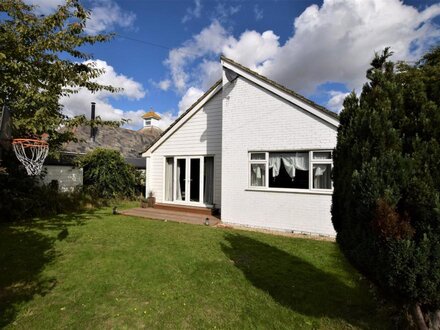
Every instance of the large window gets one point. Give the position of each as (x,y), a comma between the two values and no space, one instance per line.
(309,170)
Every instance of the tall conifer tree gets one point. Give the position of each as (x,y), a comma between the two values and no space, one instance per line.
(386,202)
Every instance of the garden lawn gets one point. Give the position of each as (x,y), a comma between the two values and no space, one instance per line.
(98,270)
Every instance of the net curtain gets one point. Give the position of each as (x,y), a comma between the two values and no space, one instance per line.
(169,167)
(322,178)
(292,161)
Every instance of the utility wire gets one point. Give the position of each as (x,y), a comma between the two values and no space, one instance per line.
(146,42)
(143,41)
(155,44)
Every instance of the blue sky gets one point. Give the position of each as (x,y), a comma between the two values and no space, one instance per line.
(166,53)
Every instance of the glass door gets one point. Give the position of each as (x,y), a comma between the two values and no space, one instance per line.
(180,193)
(194,180)
(188,179)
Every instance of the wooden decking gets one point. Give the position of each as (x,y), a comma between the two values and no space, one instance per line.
(190,215)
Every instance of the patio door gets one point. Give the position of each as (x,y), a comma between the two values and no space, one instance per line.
(188,180)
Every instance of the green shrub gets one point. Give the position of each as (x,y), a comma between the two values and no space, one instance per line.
(386,201)
(108,175)
(23,197)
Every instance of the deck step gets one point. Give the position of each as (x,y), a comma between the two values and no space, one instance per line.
(183,208)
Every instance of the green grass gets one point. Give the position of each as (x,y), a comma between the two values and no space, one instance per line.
(97,270)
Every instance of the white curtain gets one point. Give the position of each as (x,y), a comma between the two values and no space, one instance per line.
(275,164)
(258,175)
(322,176)
(178,188)
(320,170)
(209,180)
(169,166)
(292,161)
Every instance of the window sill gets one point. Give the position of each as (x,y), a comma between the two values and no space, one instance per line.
(292,191)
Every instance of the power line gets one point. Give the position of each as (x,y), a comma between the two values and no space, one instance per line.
(143,41)
(155,44)
(146,42)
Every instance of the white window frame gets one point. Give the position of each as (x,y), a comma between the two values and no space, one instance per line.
(319,162)
(264,162)
(312,162)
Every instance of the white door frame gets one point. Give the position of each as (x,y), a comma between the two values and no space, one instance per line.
(187,200)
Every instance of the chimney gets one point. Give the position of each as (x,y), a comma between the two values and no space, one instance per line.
(92,117)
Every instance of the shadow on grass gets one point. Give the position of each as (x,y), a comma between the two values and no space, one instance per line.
(299,285)
(26,248)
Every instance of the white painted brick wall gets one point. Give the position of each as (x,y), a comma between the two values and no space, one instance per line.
(68,177)
(255,119)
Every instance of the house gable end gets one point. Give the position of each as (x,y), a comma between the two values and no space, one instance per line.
(184,118)
(277,89)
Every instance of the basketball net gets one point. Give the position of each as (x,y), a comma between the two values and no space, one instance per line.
(31,153)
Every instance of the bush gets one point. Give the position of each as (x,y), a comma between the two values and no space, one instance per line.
(24,197)
(386,201)
(108,175)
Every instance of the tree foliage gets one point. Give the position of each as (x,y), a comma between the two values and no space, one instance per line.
(108,175)
(386,202)
(40,61)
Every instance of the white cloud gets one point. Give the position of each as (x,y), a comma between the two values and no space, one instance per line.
(132,88)
(223,13)
(335,42)
(253,49)
(164,84)
(258,12)
(331,43)
(336,100)
(209,41)
(45,7)
(167,118)
(191,95)
(209,73)
(193,12)
(106,15)
(79,104)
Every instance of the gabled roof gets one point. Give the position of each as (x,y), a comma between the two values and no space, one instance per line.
(279,86)
(309,105)
(178,120)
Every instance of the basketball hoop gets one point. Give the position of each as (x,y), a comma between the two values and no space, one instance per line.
(31,153)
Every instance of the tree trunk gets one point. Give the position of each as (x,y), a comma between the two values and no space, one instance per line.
(434,320)
(417,314)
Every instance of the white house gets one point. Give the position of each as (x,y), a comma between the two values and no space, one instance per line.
(252,148)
